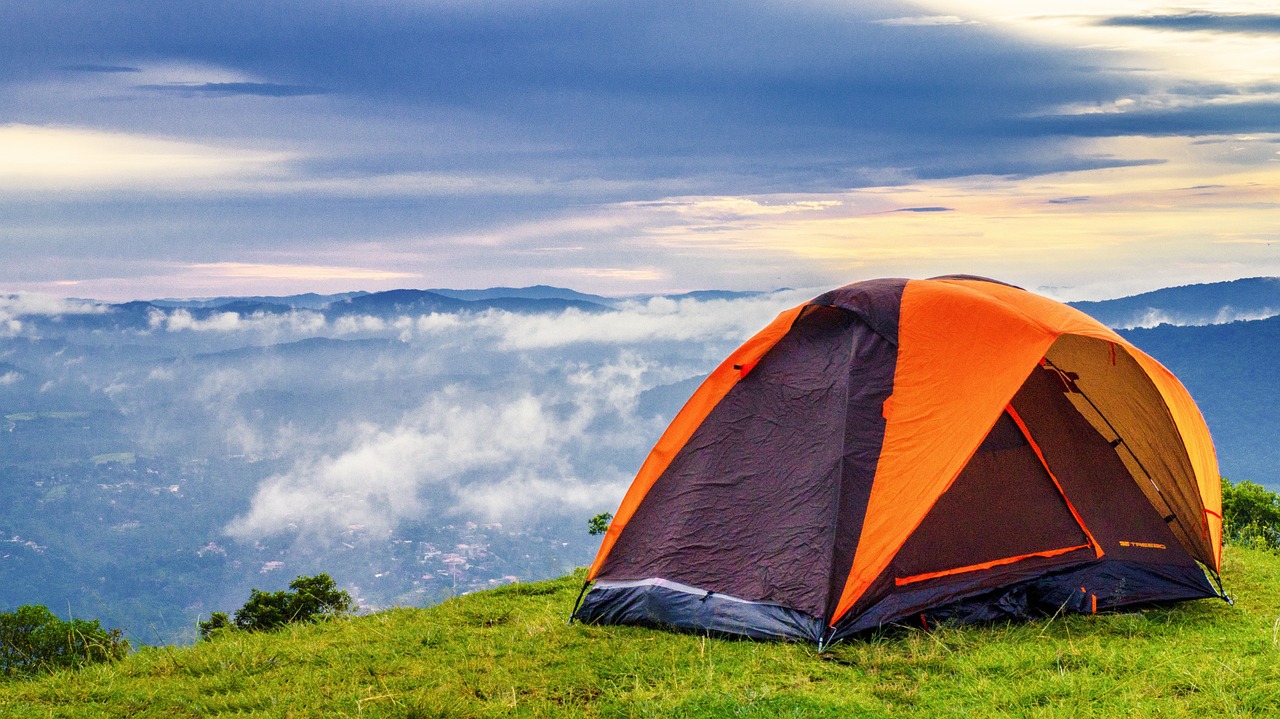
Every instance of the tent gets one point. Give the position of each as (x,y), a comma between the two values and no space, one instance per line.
(914,451)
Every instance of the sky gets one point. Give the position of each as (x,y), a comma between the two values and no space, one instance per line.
(1085,149)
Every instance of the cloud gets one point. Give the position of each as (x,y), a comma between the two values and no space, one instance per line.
(1199,21)
(228,89)
(15,307)
(295,272)
(1194,119)
(292,323)
(1154,318)
(44,157)
(541,416)
(926,21)
(459,454)
(24,304)
(634,91)
(656,320)
(109,69)
(441,132)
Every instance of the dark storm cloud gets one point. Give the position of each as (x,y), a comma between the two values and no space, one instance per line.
(1253,23)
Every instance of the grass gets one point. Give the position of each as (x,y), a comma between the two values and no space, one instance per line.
(509,652)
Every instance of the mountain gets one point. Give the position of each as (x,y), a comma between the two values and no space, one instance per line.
(398,302)
(704,295)
(309,300)
(509,652)
(1212,303)
(536,292)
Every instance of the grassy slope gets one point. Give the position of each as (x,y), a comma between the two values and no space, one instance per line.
(509,652)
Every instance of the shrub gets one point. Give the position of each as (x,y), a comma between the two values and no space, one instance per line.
(312,598)
(33,639)
(1250,515)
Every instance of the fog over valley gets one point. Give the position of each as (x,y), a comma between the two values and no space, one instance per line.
(158,459)
(161,460)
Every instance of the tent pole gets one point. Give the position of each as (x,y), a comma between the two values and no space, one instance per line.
(1222,592)
(578,601)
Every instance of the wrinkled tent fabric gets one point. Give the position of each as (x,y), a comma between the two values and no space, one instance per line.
(953,448)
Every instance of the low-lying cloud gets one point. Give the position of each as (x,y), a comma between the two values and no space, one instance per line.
(363,422)
(464,453)
(1155,317)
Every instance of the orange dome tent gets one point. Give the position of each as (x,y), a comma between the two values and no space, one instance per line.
(947,448)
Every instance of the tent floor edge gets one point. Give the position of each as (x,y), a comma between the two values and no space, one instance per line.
(664,604)
(1102,585)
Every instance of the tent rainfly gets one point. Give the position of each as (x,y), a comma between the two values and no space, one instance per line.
(916,450)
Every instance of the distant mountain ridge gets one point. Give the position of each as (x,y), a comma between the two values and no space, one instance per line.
(397,302)
(387,304)
(535,292)
(1188,305)
(1251,298)
(309,300)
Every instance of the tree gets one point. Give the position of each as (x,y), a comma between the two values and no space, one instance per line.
(1250,514)
(311,599)
(599,524)
(33,639)
(218,621)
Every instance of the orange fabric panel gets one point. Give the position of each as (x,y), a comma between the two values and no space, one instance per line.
(690,417)
(1199,445)
(1022,427)
(1127,401)
(965,346)
(1186,416)
(900,581)
(1051,314)
(962,355)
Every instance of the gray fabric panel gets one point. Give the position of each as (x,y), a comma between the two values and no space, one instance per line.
(1041,591)
(878,303)
(1094,477)
(747,507)
(1002,505)
(665,604)
(870,384)
(915,598)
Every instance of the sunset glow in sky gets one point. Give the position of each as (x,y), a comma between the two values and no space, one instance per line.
(1088,149)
